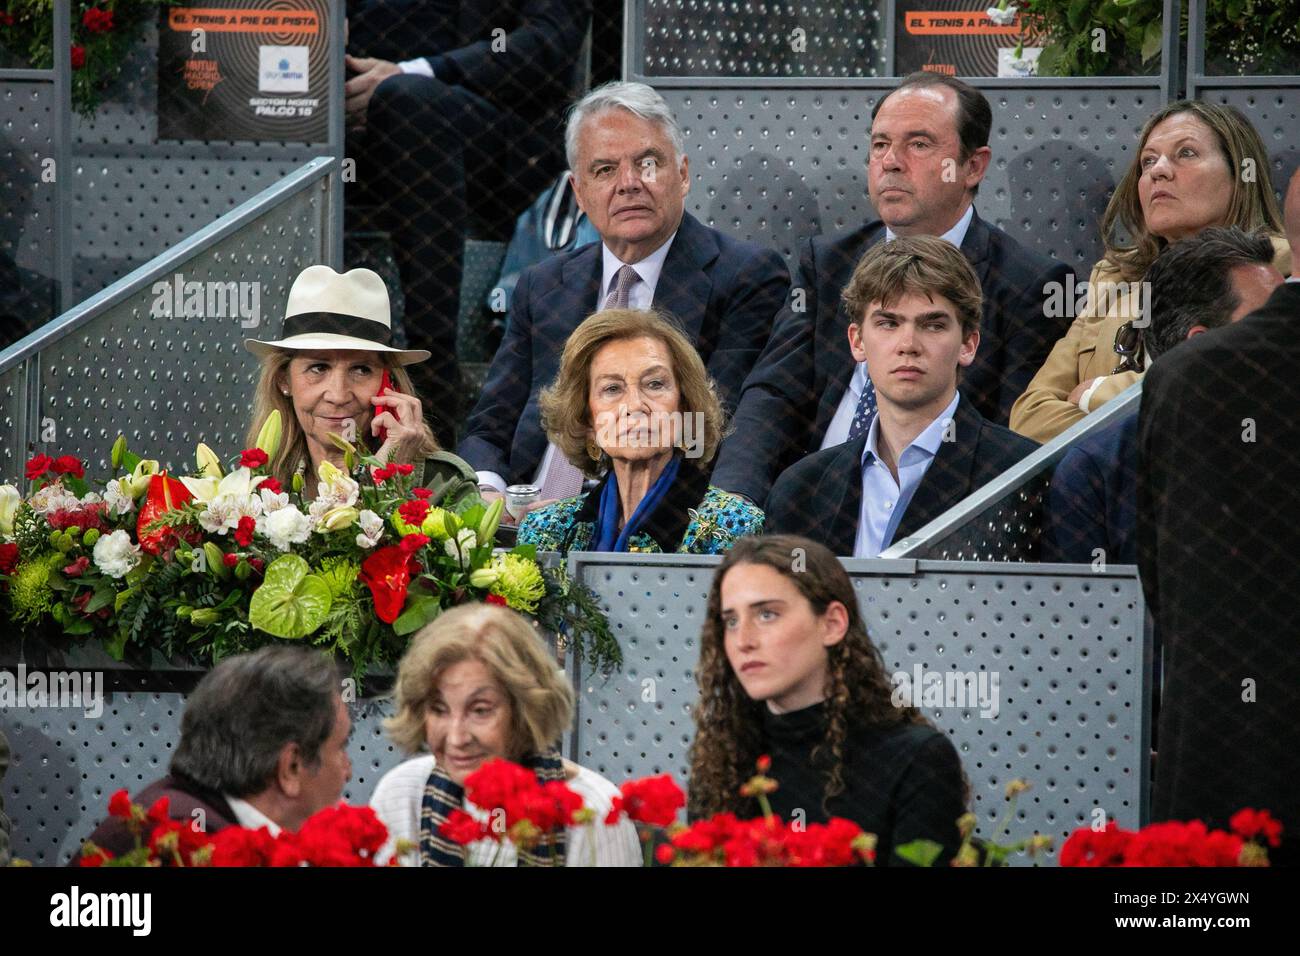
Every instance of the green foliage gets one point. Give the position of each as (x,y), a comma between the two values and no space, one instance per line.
(574,614)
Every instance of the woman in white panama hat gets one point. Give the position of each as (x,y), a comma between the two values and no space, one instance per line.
(324,376)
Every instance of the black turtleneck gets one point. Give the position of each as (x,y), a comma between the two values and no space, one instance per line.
(901,783)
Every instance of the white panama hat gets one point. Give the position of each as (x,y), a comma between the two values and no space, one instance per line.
(347,311)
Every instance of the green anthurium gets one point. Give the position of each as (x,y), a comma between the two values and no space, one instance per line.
(291,602)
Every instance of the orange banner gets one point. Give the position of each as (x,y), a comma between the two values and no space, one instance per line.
(185,19)
(955,23)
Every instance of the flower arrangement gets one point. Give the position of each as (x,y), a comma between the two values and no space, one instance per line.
(103,32)
(1176,843)
(338,836)
(216,563)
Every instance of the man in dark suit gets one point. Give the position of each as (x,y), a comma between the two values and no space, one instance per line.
(929,151)
(915,304)
(629,172)
(465,127)
(263,743)
(1218,533)
(1197,284)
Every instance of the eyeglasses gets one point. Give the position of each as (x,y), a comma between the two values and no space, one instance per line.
(1128,344)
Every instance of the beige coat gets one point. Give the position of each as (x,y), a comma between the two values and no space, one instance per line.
(1087,351)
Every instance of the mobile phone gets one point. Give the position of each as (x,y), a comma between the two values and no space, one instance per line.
(385,386)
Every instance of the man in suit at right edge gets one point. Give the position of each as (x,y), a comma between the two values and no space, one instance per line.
(1218,537)
(929,151)
(915,304)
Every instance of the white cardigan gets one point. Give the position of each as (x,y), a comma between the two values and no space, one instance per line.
(400,793)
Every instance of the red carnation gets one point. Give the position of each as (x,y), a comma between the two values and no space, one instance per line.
(96,20)
(1249,824)
(69,465)
(119,805)
(424,494)
(244,532)
(413,512)
(383,474)
(651,800)
(38,466)
(387,573)
(257,564)
(8,558)
(413,542)
(78,567)
(496,599)
(271,484)
(404,470)
(78,56)
(253,458)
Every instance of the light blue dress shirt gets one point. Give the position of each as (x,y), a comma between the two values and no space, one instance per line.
(884,500)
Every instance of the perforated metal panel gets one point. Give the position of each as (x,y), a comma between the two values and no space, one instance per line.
(170,383)
(27,203)
(776,165)
(759,38)
(1275,113)
(1010,529)
(66,765)
(11,385)
(1067,649)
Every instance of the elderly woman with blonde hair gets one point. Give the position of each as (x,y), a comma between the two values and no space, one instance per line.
(633,406)
(479,683)
(335,372)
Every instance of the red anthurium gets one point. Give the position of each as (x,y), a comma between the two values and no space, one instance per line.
(165,494)
(387,573)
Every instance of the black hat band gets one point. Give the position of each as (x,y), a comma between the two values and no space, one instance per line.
(336,323)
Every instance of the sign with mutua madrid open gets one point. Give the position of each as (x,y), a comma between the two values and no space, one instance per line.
(245,70)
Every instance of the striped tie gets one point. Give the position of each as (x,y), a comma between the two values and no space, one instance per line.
(624,279)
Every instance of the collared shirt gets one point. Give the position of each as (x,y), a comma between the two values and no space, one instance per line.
(884,500)
(249,817)
(642,294)
(837,432)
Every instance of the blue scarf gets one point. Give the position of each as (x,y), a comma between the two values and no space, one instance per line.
(608,537)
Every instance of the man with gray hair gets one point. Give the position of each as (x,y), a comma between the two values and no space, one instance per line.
(630,174)
(263,744)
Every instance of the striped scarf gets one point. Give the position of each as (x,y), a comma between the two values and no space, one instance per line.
(442,795)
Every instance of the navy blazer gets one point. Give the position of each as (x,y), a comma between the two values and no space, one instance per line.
(1093,501)
(723,292)
(791,396)
(1218,534)
(820,497)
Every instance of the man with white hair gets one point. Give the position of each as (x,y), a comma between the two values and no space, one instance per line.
(629,171)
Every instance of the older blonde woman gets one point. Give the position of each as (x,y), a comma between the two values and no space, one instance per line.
(324,377)
(633,406)
(475,684)
(1197,165)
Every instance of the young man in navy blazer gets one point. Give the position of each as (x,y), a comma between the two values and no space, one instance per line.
(629,172)
(929,152)
(915,304)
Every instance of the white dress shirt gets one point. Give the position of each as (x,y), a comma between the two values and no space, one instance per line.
(837,432)
(249,817)
(399,796)
(640,296)
(885,500)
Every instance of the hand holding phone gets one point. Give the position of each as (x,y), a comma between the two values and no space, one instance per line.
(385,387)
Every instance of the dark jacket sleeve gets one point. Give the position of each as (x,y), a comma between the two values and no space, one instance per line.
(1076,512)
(1150,485)
(490,430)
(928,800)
(757,291)
(777,404)
(4,820)
(540,50)
(1030,335)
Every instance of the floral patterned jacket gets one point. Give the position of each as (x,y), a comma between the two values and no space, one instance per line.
(693,518)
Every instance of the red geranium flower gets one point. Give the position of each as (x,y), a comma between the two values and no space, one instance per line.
(78,56)
(96,857)
(160,811)
(253,458)
(1088,847)
(38,466)
(271,484)
(462,829)
(237,846)
(387,573)
(651,800)
(96,20)
(664,854)
(8,558)
(342,836)
(413,512)
(1249,823)
(119,805)
(69,465)
(244,532)
(187,841)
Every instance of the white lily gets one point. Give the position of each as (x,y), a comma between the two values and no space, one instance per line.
(10,499)
(240,483)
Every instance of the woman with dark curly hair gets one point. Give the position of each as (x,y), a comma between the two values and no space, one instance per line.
(787,669)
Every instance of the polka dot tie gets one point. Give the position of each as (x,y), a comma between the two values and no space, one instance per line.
(865,411)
